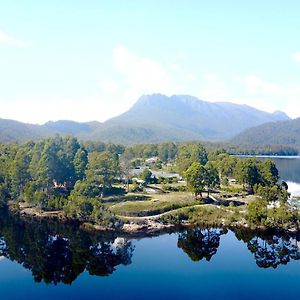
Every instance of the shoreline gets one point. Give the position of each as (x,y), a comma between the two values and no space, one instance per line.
(146,226)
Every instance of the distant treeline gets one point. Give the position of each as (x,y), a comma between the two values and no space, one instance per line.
(280,150)
(168,151)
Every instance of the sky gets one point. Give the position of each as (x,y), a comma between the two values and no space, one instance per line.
(90,60)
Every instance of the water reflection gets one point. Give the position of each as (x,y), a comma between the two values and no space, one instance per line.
(272,250)
(269,250)
(199,243)
(59,253)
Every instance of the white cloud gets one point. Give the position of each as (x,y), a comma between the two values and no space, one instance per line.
(137,75)
(213,88)
(255,84)
(109,86)
(142,74)
(270,96)
(296,57)
(9,40)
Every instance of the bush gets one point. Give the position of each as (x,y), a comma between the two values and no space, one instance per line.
(257,212)
(136,188)
(171,188)
(89,210)
(225,181)
(56,203)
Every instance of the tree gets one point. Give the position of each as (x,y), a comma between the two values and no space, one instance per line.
(247,172)
(80,162)
(196,176)
(273,194)
(188,154)
(101,170)
(146,175)
(269,172)
(126,164)
(226,165)
(167,151)
(212,178)
(19,172)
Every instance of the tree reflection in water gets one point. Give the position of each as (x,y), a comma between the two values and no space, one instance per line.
(271,250)
(59,253)
(199,243)
(56,252)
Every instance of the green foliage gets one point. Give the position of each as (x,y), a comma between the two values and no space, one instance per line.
(198,177)
(212,177)
(89,210)
(225,181)
(252,172)
(173,188)
(226,165)
(188,154)
(80,162)
(102,168)
(56,203)
(257,212)
(146,175)
(167,151)
(19,172)
(278,133)
(273,193)
(97,146)
(87,189)
(269,172)
(279,215)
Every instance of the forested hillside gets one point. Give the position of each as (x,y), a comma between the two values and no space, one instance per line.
(276,133)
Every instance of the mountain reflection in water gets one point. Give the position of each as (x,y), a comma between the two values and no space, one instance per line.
(59,253)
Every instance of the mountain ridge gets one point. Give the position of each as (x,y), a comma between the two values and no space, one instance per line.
(152,119)
(276,133)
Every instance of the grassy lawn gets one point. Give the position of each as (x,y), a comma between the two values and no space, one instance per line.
(205,214)
(158,204)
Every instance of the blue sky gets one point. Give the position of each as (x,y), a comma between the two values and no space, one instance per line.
(90,60)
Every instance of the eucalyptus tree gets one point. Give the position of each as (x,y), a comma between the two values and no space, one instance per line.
(188,154)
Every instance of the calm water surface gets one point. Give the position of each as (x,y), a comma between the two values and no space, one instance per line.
(48,260)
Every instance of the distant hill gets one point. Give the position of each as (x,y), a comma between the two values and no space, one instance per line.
(276,133)
(72,127)
(154,118)
(14,131)
(183,117)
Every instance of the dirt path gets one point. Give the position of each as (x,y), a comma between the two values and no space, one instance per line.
(153,217)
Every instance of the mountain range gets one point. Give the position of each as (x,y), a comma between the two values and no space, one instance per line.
(152,119)
(275,133)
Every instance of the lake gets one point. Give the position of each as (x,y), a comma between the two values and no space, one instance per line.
(49,260)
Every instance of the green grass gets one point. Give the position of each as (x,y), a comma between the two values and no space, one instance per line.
(205,215)
(160,204)
(108,201)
